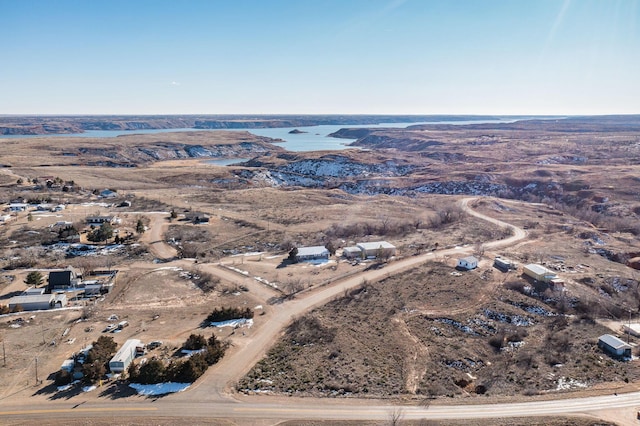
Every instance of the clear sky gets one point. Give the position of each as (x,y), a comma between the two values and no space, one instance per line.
(320,56)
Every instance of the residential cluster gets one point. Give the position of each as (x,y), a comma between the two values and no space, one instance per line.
(63,285)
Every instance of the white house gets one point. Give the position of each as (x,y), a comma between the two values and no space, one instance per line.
(18,207)
(312,253)
(468,263)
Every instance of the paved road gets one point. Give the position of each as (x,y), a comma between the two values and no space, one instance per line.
(291,409)
(211,396)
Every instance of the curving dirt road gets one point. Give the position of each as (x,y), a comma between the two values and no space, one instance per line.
(154,237)
(210,397)
(219,381)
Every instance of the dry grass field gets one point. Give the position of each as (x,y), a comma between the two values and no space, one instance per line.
(430,332)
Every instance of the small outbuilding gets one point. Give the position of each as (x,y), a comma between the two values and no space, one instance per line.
(198,217)
(99,220)
(107,193)
(504,264)
(614,346)
(312,253)
(352,252)
(542,274)
(33,291)
(121,360)
(467,263)
(632,328)
(539,272)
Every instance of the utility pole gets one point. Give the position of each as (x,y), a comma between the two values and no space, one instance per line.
(629,328)
(37,381)
(4,355)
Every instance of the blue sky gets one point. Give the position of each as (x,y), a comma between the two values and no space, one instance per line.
(320,56)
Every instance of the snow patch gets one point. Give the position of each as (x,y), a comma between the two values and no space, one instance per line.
(159,388)
(566,384)
(235,323)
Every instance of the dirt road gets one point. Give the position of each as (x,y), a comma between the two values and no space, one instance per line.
(154,237)
(219,381)
(216,385)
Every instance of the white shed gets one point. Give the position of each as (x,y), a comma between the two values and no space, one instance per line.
(468,263)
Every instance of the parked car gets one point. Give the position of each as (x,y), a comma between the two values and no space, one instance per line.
(154,344)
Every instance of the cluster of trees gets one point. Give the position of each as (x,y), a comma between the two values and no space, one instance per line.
(224,314)
(181,371)
(383,228)
(97,362)
(34,278)
(66,232)
(103,233)
(95,365)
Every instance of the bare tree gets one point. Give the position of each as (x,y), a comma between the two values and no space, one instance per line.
(293,286)
(396,416)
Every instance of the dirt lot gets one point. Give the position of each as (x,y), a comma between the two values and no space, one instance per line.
(159,304)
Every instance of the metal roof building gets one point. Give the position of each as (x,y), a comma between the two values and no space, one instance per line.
(375,248)
(311,253)
(614,346)
(38,302)
(124,356)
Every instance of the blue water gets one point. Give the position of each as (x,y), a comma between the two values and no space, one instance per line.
(316,138)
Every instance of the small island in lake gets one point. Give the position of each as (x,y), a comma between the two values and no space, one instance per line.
(296,132)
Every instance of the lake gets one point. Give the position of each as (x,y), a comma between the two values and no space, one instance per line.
(315,139)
